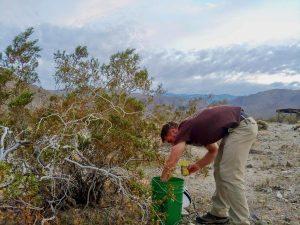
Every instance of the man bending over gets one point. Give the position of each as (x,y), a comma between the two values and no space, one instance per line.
(238,132)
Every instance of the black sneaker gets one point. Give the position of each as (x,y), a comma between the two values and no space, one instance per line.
(211,219)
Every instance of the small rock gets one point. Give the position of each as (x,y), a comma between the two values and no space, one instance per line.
(277,188)
(287,219)
(279,195)
(254,151)
(297,127)
(254,216)
(249,166)
(291,189)
(266,190)
(289,164)
(184,212)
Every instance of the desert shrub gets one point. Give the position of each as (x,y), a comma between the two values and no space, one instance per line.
(291,119)
(74,152)
(70,161)
(285,118)
(22,100)
(262,125)
(21,57)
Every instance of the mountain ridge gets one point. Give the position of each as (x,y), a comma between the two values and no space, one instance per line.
(261,105)
(264,104)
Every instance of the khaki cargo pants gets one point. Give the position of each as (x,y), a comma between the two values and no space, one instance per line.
(229,173)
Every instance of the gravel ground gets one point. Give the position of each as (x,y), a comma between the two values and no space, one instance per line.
(272,178)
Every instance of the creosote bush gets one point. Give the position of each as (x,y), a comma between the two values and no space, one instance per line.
(74,158)
(262,125)
(78,152)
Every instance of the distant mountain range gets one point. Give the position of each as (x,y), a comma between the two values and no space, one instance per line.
(260,105)
(264,104)
(209,98)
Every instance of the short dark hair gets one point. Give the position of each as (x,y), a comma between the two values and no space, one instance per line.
(165,129)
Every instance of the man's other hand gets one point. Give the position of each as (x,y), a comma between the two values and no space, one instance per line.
(176,152)
(193,168)
(164,178)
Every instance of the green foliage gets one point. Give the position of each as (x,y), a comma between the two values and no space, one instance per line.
(292,119)
(53,98)
(5,168)
(22,57)
(123,74)
(22,100)
(140,189)
(76,70)
(5,76)
(262,125)
(285,118)
(96,124)
(20,185)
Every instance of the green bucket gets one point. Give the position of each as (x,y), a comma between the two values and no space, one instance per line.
(167,200)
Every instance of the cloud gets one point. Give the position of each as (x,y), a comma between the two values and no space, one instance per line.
(256,24)
(238,69)
(89,11)
(167,24)
(58,13)
(205,46)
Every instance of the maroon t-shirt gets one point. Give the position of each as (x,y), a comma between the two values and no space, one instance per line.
(209,126)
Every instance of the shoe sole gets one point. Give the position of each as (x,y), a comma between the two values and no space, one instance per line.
(219,222)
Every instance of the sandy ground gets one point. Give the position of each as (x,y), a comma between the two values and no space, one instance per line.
(272,178)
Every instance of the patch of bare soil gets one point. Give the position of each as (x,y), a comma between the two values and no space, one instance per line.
(272,178)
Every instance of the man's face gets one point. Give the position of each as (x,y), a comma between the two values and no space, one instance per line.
(171,136)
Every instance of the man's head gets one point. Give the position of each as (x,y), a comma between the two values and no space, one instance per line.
(169,132)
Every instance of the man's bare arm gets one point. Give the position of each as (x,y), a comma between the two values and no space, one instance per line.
(176,153)
(207,159)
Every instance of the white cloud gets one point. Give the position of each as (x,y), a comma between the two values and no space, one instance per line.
(252,26)
(59,13)
(236,69)
(256,78)
(274,78)
(186,44)
(92,10)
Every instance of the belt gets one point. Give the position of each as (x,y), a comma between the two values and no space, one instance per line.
(243,115)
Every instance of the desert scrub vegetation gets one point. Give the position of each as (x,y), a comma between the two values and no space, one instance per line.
(73,159)
(285,118)
(262,125)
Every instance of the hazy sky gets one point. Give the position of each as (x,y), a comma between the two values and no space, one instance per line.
(191,46)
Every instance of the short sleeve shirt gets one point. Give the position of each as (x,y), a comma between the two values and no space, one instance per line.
(208,126)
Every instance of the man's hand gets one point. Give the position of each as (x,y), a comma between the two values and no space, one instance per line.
(207,159)
(193,168)
(164,177)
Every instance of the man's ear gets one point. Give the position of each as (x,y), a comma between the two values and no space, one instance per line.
(174,129)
